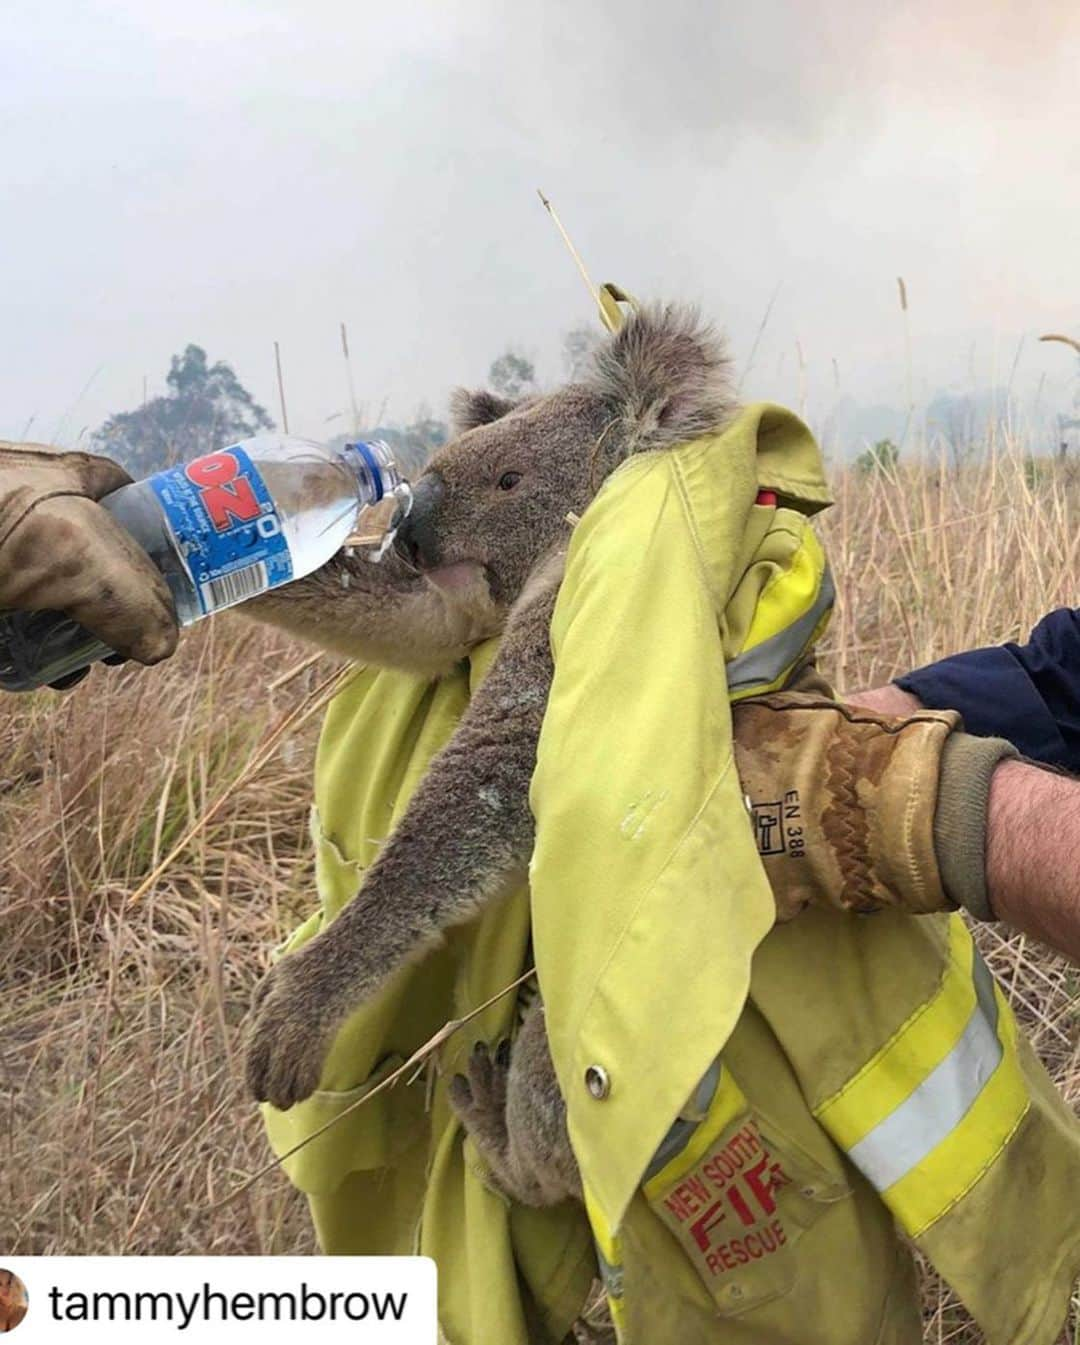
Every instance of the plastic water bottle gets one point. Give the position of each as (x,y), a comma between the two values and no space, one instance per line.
(221,529)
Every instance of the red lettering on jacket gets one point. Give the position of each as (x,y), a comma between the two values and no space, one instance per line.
(703,1227)
(762,1189)
(687,1198)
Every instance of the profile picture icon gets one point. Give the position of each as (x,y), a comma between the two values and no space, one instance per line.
(13,1300)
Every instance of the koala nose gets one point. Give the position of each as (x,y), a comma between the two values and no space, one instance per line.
(416,540)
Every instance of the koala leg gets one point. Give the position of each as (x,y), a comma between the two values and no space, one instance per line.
(479,1098)
(511,1105)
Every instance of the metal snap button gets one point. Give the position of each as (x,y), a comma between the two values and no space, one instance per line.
(597,1082)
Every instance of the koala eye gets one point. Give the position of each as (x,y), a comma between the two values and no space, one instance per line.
(509,480)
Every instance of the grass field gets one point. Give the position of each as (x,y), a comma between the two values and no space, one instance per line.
(123,1118)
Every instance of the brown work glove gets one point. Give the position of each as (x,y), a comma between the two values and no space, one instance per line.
(59,551)
(860,811)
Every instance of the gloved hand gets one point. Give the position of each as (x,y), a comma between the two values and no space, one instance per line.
(59,551)
(859,811)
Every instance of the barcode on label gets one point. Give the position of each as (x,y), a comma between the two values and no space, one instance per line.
(235,587)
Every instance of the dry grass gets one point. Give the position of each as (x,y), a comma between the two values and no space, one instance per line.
(928,562)
(122,1110)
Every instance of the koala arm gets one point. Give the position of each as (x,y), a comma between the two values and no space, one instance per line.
(382,612)
(465,833)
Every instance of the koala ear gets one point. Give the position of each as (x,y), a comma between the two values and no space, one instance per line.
(667,375)
(469,408)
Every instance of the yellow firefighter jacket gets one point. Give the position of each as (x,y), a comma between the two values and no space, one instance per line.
(754,1112)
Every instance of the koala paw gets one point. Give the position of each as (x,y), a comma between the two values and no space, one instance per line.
(295,1013)
(479,1098)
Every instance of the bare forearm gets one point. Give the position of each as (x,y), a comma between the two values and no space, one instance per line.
(1032,874)
(1032,831)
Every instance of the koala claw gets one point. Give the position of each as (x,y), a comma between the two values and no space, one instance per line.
(289,1034)
(479,1096)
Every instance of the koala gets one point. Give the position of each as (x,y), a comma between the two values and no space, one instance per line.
(481,553)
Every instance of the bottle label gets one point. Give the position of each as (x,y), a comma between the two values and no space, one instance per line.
(226,526)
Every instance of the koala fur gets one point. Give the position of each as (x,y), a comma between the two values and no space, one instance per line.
(482,552)
(511,1104)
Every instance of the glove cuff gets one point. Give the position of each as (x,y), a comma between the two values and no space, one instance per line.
(900,763)
(967,765)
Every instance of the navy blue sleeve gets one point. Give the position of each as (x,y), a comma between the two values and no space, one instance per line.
(1029,693)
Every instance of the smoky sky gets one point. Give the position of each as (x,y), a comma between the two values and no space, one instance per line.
(235,173)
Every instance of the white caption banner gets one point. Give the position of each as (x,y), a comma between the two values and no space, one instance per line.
(83,1300)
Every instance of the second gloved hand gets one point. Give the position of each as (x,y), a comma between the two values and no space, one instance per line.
(861,811)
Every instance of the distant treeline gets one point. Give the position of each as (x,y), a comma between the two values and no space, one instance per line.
(205,407)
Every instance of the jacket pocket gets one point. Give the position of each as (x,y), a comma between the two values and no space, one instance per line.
(371,1135)
(737,1194)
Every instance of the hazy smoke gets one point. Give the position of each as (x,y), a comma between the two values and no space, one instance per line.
(235,174)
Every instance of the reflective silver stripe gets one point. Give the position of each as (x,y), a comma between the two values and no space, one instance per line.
(919,1124)
(984,991)
(764,663)
(610,1276)
(678,1137)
